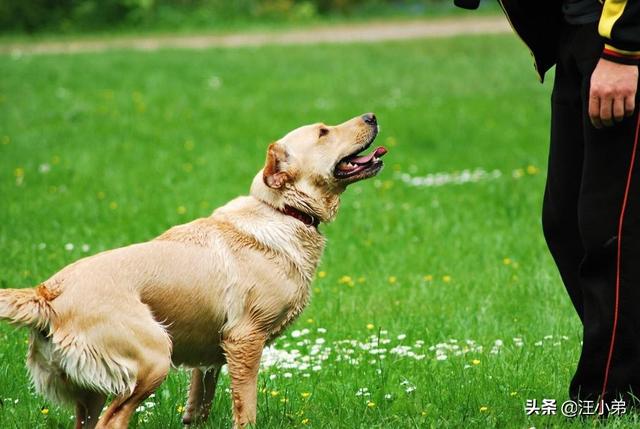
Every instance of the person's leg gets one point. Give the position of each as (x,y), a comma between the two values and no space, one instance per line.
(609,220)
(560,207)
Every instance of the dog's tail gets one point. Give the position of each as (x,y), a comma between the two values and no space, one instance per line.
(27,307)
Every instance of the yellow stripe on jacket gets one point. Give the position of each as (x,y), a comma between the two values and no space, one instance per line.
(611,11)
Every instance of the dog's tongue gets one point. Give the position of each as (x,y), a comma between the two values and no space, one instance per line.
(380,151)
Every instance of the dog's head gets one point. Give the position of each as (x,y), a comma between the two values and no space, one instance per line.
(311,166)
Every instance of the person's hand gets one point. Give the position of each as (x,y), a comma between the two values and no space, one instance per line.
(612,93)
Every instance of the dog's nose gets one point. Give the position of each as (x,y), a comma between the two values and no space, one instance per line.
(370,118)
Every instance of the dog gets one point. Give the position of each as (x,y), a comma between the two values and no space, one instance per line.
(210,292)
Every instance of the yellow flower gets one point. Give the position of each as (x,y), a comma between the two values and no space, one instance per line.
(428,278)
(370,326)
(180,409)
(274,393)
(392,279)
(532,169)
(476,361)
(514,393)
(305,421)
(484,409)
(305,395)
(309,320)
(371,404)
(424,413)
(19,172)
(391,142)
(113,205)
(446,279)
(322,274)
(44,411)
(284,400)
(346,280)
(507,261)
(316,290)
(181,209)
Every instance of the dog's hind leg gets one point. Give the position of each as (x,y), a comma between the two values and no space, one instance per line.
(151,375)
(88,408)
(201,393)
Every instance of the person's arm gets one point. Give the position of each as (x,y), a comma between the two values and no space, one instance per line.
(614,81)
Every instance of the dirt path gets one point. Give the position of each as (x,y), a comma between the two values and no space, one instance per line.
(343,33)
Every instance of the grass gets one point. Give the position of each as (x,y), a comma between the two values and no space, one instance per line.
(113,148)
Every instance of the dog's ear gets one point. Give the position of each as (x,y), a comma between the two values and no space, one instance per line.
(274,173)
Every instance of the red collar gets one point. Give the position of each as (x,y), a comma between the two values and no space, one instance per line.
(303,217)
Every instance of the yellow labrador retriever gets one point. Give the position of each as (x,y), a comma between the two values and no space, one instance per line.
(210,292)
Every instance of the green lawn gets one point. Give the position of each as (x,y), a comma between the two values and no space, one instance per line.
(101,150)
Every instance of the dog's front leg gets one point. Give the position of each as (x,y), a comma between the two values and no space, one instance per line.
(243,353)
(201,393)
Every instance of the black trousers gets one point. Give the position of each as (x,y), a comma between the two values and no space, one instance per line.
(591,221)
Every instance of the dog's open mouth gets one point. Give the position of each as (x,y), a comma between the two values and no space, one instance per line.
(356,166)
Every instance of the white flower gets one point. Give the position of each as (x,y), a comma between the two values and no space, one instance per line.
(214,82)
(296,334)
(287,375)
(85,248)
(272,377)
(402,337)
(363,391)
(68,246)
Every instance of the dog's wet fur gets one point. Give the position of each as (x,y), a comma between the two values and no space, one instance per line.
(206,293)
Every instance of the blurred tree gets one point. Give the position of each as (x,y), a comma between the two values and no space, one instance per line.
(89,15)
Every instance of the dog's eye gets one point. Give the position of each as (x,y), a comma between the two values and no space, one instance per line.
(324,131)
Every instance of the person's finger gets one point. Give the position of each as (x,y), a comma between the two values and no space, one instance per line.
(618,109)
(606,111)
(629,106)
(594,111)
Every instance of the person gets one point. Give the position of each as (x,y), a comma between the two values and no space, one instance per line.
(591,209)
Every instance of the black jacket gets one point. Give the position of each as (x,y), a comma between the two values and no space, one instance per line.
(538,23)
